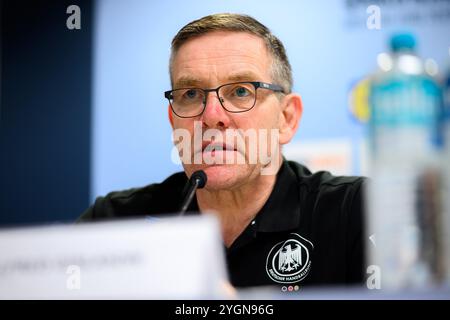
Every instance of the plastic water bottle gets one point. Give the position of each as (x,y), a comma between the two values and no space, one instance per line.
(405,140)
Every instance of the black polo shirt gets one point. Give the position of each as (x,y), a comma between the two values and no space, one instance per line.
(309,232)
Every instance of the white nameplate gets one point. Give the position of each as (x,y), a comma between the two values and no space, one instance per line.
(170,258)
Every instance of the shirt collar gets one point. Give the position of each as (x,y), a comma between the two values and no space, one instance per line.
(281,212)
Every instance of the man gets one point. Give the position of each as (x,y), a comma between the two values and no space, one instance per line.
(281,224)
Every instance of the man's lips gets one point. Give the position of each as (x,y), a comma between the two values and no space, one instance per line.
(217,146)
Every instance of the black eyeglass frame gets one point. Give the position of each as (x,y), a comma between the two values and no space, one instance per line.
(256,84)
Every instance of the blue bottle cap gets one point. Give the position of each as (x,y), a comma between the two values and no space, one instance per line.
(403,42)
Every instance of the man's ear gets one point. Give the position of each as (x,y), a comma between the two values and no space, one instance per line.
(170,116)
(291,113)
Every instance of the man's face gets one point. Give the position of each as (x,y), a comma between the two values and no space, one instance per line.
(209,61)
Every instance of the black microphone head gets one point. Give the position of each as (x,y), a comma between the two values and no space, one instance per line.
(200,177)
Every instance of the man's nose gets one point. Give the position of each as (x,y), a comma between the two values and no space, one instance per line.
(214,115)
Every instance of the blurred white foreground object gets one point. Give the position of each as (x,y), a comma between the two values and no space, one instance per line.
(170,258)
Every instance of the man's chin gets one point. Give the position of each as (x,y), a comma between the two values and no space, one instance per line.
(224,176)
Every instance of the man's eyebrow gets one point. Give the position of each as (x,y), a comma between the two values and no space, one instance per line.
(189,81)
(243,76)
(186,81)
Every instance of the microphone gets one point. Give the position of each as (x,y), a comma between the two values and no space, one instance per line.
(197,181)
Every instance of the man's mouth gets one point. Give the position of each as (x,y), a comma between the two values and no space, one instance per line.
(208,146)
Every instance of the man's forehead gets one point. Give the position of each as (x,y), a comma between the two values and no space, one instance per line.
(234,56)
(220,39)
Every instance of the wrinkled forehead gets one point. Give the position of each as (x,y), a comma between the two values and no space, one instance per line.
(220,56)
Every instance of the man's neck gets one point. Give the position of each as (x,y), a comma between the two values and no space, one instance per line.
(238,207)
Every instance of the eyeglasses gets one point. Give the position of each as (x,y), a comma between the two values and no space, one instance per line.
(234,97)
